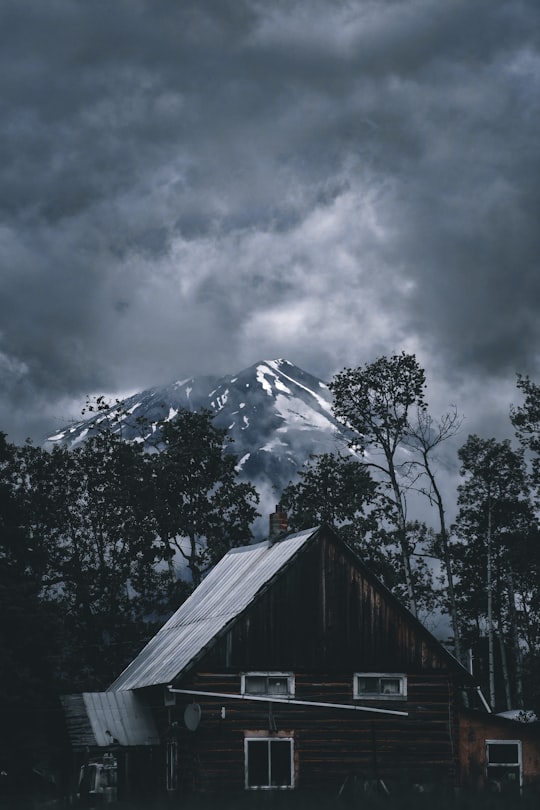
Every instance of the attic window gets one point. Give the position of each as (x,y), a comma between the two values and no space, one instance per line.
(273,684)
(380,686)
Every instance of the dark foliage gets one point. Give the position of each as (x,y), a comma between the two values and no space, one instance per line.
(87,539)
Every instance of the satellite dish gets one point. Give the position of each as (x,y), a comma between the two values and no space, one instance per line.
(192,716)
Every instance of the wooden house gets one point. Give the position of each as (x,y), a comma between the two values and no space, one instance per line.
(291,667)
(498,753)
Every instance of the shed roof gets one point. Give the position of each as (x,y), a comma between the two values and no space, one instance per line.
(104,719)
(228,589)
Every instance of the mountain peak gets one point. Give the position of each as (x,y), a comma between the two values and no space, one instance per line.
(277,414)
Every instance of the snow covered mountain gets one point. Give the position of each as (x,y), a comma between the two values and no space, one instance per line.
(277,415)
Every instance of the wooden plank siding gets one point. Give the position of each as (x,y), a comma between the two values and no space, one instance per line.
(330,744)
(324,617)
(325,611)
(475,729)
(306,605)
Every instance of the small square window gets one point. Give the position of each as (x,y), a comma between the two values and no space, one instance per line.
(379,686)
(269,763)
(271,684)
(504,764)
(503,753)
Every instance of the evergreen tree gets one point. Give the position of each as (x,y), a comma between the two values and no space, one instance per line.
(332,490)
(525,419)
(494,509)
(341,493)
(201,509)
(29,632)
(91,510)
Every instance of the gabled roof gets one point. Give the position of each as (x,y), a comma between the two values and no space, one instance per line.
(228,589)
(104,719)
(232,586)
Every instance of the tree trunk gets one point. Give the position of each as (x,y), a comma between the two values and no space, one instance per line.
(405,555)
(446,559)
(491,640)
(515,637)
(194,561)
(504,667)
(172,572)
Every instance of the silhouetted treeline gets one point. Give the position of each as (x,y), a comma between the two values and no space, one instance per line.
(99,544)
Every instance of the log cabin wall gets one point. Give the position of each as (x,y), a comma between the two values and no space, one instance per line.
(324,619)
(475,729)
(329,744)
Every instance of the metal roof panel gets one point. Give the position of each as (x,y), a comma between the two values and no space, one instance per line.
(222,596)
(109,718)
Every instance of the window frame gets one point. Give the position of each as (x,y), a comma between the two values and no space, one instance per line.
(402,695)
(268,738)
(289,676)
(518,764)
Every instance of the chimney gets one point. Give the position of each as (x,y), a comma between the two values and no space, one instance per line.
(278,522)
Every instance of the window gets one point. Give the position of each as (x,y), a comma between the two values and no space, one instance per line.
(269,763)
(380,686)
(271,684)
(503,764)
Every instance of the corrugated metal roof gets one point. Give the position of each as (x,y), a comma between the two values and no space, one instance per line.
(227,590)
(109,718)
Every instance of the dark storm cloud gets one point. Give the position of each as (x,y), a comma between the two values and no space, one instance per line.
(188,187)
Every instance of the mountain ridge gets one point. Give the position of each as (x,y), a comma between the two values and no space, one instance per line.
(277,414)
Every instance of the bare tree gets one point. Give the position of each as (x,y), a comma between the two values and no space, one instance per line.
(426,437)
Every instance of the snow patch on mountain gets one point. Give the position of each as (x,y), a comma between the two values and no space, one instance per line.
(242,461)
(322,402)
(297,412)
(286,417)
(272,444)
(263,382)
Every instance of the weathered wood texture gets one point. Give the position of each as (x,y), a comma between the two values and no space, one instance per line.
(323,619)
(324,612)
(330,744)
(474,729)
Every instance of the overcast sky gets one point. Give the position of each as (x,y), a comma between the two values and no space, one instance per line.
(191,186)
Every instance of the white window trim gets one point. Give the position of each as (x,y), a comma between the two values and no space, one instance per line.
(291,685)
(518,764)
(379,696)
(285,737)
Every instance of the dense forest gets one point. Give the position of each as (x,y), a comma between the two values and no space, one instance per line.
(92,539)
(482,571)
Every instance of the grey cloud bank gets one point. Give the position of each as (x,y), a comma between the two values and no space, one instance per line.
(188,187)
